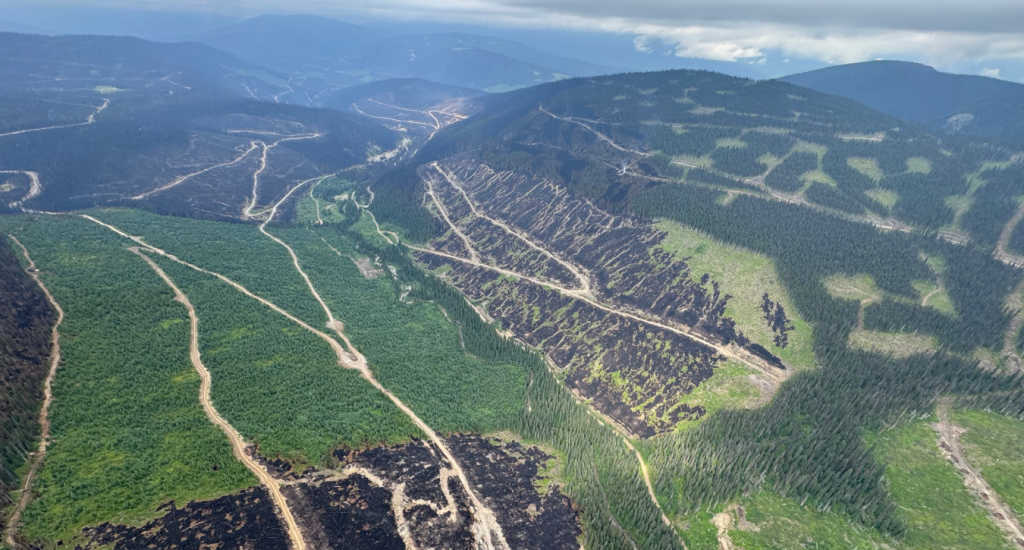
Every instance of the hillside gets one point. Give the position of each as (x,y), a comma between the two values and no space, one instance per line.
(954,103)
(321,55)
(660,311)
(159,126)
(411,50)
(36,65)
(415,107)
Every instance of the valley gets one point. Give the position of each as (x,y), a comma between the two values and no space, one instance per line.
(249,306)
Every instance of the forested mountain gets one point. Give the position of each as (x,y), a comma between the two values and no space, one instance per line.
(37,65)
(321,55)
(173,127)
(659,311)
(804,178)
(954,103)
(25,321)
(408,51)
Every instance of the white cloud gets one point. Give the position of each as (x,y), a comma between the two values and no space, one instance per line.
(642,44)
(833,45)
(938,32)
(991,73)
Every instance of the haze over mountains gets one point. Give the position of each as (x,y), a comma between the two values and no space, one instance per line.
(293,283)
(951,102)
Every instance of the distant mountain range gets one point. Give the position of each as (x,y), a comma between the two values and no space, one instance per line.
(951,102)
(323,53)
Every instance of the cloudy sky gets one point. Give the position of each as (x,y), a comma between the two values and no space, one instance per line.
(980,36)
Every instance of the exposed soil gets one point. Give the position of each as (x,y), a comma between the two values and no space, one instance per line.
(390,498)
(385,494)
(999,512)
(366,268)
(243,521)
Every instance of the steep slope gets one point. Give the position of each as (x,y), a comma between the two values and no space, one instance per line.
(25,321)
(952,102)
(542,208)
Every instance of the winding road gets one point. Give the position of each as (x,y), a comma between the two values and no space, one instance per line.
(44,412)
(181,179)
(90,120)
(35,188)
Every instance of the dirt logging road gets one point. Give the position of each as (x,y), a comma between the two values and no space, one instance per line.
(999,512)
(237,443)
(44,412)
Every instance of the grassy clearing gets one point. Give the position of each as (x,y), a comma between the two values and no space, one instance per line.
(939,301)
(107,89)
(806,147)
(747,277)
(817,176)
(770,160)
(776,523)
(886,198)
(938,509)
(867,166)
(959,204)
(919,165)
(128,431)
(730,388)
(688,160)
(858,287)
(898,344)
(994,444)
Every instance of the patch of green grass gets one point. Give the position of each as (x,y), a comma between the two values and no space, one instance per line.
(939,300)
(501,88)
(994,444)
(747,277)
(819,176)
(938,510)
(919,165)
(867,166)
(770,160)
(885,197)
(858,287)
(107,90)
(806,147)
(959,204)
(777,523)
(898,344)
(128,432)
(730,388)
